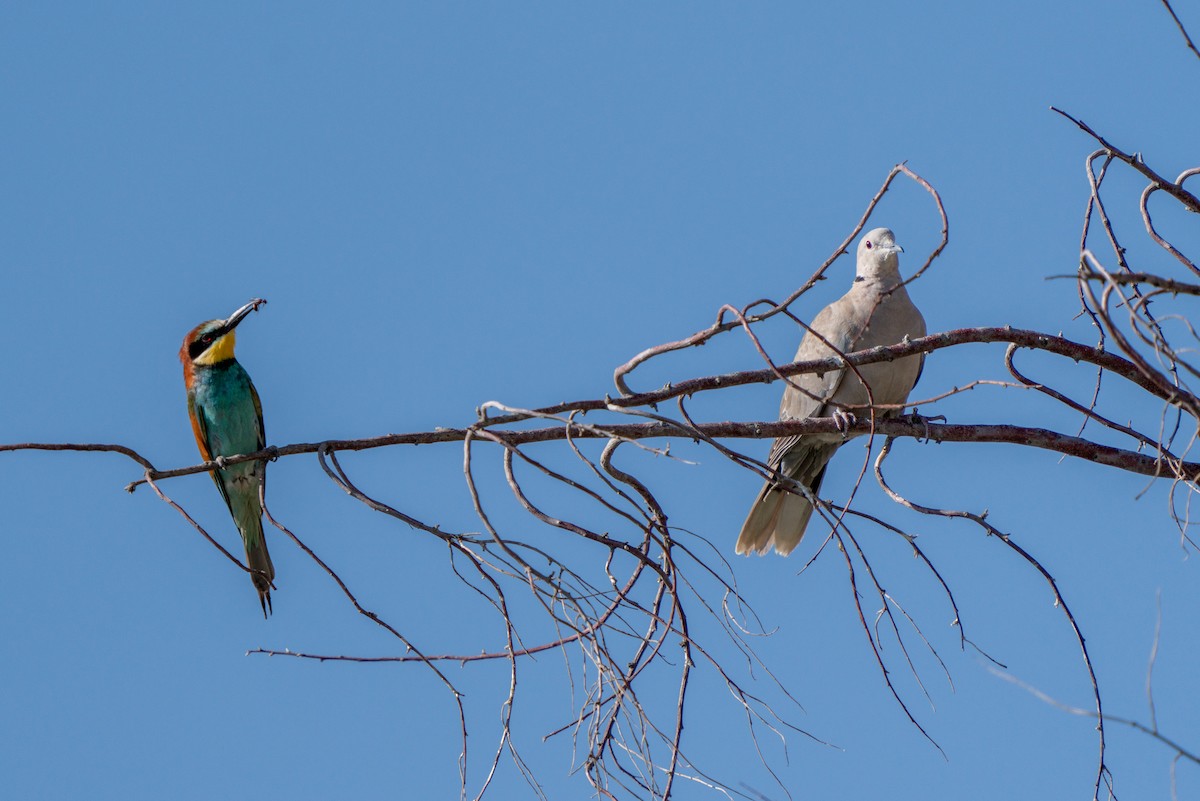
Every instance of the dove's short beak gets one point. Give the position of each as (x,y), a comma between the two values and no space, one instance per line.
(897,248)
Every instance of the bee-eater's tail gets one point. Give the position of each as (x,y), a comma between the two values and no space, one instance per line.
(262,572)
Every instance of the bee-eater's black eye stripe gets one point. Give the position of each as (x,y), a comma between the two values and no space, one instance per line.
(199,345)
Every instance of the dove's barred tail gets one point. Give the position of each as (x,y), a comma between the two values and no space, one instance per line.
(760,523)
(778,518)
(794,512)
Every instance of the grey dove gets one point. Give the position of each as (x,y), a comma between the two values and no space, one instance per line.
(876,311)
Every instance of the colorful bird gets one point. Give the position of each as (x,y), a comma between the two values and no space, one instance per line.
(227,420)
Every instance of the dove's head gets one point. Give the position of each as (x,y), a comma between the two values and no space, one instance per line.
(878,254)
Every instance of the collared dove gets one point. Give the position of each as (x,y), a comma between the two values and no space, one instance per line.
(876,311)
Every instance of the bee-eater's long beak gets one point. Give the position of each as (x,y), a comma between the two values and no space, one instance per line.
(240,314)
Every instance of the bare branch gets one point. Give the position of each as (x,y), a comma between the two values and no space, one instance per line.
(1170,285)
(1190,201)
(1191,45)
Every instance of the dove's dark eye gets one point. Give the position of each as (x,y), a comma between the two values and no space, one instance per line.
(868,244)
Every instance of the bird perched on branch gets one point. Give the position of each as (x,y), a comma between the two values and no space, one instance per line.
(227,421)
(876,311)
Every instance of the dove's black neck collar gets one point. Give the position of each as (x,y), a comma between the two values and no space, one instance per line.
(883,284)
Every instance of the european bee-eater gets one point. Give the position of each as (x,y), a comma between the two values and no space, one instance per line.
(227,420)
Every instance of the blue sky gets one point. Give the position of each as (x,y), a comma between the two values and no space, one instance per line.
(452,204)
